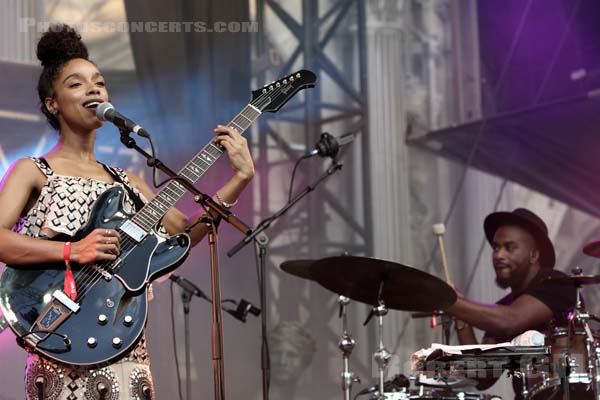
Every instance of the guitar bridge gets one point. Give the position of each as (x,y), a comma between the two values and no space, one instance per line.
(65,301)
(105,274)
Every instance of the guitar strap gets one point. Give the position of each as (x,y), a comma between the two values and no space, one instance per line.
(137,201)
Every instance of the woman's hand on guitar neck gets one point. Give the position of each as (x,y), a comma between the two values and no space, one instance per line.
(237,150)
(100,244)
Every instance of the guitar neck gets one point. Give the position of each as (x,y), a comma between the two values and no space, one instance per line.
(152,212)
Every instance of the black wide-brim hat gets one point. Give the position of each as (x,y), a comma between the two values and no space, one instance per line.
(528,221)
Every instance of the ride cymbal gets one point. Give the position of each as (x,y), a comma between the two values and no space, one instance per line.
(361,278)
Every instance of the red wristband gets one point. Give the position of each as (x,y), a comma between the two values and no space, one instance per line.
(67,254)
(69,285)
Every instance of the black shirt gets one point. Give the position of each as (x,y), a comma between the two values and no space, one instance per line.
(560,298)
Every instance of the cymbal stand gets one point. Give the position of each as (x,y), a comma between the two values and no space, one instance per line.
(381,356)
(346,345)
(581,317)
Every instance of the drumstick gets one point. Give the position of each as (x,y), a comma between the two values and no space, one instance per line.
(439,230)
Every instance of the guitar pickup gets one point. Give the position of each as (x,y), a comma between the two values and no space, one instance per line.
(133,231)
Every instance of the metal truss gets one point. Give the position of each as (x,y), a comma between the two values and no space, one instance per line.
(316,32)
(335,218)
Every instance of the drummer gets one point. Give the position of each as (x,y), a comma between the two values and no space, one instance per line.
(522,257)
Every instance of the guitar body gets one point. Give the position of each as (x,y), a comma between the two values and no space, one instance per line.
(112,300)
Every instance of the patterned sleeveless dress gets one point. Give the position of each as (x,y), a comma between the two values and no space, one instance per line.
(63,206)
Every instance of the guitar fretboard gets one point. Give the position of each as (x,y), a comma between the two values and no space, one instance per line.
(151,213)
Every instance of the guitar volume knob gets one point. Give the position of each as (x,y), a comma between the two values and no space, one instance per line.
(92,342)
(117,342)
(102,319)
(128,320)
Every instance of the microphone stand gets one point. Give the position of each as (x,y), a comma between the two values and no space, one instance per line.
(212,208)
(261,241)
(187,292)
(186,299)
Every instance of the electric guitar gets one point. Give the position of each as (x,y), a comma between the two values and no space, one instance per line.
(106,319)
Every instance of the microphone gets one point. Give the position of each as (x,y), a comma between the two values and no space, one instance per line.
(241,312)
(106,112)
(188,286)
(329,145)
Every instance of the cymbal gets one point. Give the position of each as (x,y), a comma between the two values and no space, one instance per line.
(592,249)
(577,280)
(359,278)
(299,268)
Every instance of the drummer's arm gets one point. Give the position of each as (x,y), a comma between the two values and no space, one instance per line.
(464,332)
(524,313)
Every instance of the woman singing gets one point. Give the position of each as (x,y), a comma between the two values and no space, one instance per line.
(51,195)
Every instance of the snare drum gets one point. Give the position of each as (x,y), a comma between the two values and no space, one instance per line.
(569,356)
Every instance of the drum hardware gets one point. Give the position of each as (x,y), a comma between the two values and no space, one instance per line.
(382,284)
(381,356)
(346,345)
(575,363)
(580,317)
(523,375)
(446,322)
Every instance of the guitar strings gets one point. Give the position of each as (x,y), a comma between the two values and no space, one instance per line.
(91,275)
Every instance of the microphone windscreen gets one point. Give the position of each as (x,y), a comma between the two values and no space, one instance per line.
(101,110)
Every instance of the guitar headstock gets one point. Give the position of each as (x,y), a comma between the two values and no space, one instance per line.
(272,97)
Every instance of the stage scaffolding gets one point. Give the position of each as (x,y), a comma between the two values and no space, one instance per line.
(319,33)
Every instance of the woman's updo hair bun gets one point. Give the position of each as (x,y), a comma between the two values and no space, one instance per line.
(60,44)
(56,47)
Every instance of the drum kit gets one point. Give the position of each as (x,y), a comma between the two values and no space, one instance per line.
(566,366)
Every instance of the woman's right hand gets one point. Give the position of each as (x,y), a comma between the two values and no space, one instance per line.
(100,244)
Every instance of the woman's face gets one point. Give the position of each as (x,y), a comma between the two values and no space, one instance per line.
(78,89)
